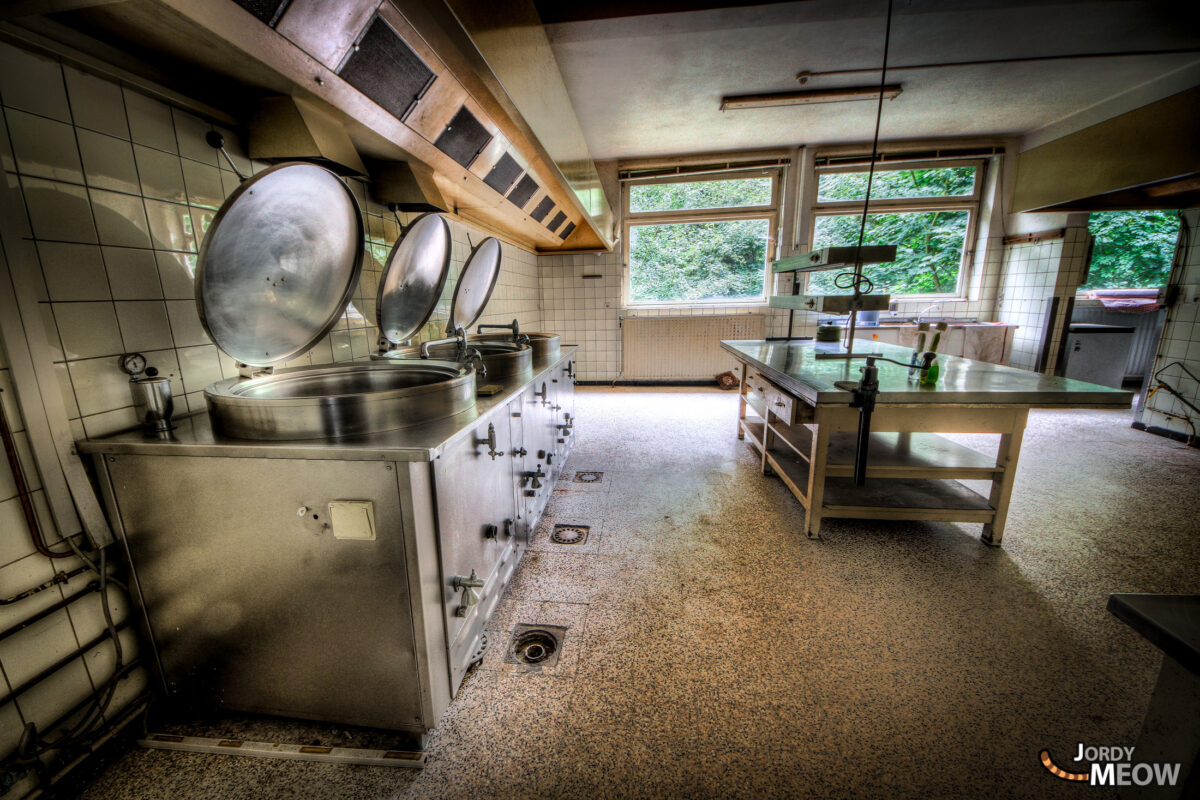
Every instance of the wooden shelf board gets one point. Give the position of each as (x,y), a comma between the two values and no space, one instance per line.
(919,455)
(792,471)
(920,495)
(754,433)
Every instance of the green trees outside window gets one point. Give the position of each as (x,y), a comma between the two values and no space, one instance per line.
(929,244)
(1131,249)
(698,261)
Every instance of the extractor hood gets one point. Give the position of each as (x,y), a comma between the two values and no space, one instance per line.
(401,77)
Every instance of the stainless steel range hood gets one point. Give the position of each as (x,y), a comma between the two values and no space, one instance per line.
(402,77)
(287,129)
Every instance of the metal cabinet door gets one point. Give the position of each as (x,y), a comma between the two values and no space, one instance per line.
(535,420)
(521,461)
(476,511)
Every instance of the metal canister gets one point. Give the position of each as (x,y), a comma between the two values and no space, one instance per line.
(829,333)
(152,398)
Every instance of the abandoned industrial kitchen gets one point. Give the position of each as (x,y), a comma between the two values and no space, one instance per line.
(440,398)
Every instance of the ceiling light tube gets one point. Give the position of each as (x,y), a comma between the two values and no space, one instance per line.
(809,97)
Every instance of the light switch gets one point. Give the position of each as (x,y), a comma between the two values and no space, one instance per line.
(352,519)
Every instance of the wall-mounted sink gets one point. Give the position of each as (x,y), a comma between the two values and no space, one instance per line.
(340,400)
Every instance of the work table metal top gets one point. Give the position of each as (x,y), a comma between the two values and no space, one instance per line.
(793,366)
(194,434)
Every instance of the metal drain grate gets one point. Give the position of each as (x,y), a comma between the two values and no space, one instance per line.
(589,477)
(569,534)
(480,650)
(535,646)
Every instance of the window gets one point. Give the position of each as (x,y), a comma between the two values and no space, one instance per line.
(928,211)
(699,240)
(1131,249)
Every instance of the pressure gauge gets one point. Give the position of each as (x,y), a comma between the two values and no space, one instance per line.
(133,363)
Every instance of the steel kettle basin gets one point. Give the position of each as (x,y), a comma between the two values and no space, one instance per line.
(340,400)
(502,360)
(544,345)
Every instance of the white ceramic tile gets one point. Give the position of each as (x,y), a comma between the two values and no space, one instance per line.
(199,366)
(120,219)
(150,121)
(167,364)
(66,390)
(87,330)
(170,226)
(203,184)
(132,273)
(53,697)
(15,543)
(58,211)
(73,271)
(160,173)
(28,652)
(202,219)
(108,162)
(43,147)
(100,385)
(190,131)
(96,103)
(50,328)
(144,325)
(32,83)
(177,273)
(185,323)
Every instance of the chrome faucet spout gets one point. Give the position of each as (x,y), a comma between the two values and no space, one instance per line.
(930,307)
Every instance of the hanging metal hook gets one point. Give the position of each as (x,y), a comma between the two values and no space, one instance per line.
(216,140)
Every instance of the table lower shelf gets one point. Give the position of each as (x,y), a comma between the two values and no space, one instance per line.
(885,496)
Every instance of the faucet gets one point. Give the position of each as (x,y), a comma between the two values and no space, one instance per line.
(929,307)
(458,336)
(513,326)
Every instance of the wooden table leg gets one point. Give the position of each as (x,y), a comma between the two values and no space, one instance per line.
(1001,494)
(816,480)
(742,400)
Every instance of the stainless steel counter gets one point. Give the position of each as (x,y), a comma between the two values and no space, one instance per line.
(963,381)
(194,434)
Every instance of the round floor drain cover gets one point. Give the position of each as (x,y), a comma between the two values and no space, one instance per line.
(569,534)
(588,477)
(534,647)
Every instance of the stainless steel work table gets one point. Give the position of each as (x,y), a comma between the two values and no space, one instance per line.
(805,430)
(194,434)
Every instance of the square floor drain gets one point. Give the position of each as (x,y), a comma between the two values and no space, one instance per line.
(589,477)
(570,534)
(535,646)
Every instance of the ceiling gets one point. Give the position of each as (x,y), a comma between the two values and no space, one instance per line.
(651,83)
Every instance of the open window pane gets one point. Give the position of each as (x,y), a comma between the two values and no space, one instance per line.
(893,184)
(698,261)
(734,193)
(929,250)
(1131,249)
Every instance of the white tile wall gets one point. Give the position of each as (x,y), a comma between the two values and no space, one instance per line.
(1180,342)
(1033,274)
(117,190)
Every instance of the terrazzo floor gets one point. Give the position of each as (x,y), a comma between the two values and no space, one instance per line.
(712,651)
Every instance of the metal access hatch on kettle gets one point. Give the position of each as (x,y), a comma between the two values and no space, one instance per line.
(279,264)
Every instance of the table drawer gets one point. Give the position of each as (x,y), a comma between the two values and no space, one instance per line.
(781,404)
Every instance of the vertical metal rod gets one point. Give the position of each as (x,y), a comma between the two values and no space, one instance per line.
(862,228)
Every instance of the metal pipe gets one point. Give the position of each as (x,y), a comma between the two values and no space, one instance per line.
(804,76)
(61,577)
(62,662)
(45,612)
(18,473)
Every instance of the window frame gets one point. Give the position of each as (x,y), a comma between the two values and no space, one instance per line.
(769,212)
(970,203)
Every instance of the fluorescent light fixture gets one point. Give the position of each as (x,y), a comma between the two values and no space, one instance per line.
(809,97)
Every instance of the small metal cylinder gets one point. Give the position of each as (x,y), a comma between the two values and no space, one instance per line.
(152,398)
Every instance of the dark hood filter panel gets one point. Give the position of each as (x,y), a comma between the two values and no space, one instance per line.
(464,138)
(558,220)
(524,190)
(386,70)
(501,176)
(543,208)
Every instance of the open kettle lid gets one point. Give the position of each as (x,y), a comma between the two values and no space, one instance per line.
(279,263)
(413,278)
(475,284)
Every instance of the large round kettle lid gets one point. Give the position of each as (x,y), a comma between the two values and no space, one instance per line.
(279,263)
(475,284)
(413,278)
